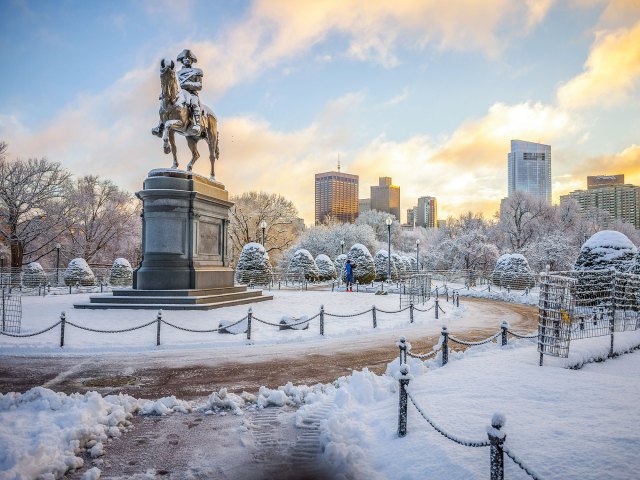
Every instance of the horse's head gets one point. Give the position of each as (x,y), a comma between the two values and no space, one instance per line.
(166,66)
(168,79)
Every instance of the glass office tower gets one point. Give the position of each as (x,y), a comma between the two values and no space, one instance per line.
(530,169)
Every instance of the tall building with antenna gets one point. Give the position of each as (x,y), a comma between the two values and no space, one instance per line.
(336,196)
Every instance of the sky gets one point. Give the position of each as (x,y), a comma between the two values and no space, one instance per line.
(427,92)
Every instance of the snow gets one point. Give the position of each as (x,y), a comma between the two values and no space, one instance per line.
(78,271)
(609,238)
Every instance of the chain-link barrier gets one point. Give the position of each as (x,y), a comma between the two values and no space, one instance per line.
(422,356)
(393,311)
(24,335)
(441,431)
(347,316)
(517,335)
(472,344)
(95,330)
(528,470)
(193,330)
(424,310)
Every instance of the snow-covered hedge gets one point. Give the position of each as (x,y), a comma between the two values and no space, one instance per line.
(326,267)
(253,265)
(381,262)
(606,249)
(339,263)
(79,271)
(403,265)
(302,263)
(121,273)
(34,275)
(364,267)
(512,270)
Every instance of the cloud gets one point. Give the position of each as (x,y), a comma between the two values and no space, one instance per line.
(397,99)
(611,73)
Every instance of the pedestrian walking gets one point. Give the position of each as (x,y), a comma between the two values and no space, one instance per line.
(349,271)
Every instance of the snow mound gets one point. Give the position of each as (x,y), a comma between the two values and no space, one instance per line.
(223,400)
(606,249)
(164,406)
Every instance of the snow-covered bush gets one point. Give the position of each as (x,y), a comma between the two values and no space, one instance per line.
(402,264)
(34,275)
(121,273)
(326,267)
(413,264)
(78,271)
(512,270)
(635,266)
(339,263)
(606,249)
(253,265)
(381,262)
(364,267)
(302,263)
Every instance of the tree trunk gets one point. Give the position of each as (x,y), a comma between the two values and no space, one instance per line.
(17,252)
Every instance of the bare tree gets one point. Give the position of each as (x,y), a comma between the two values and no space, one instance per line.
(280,217)
(520,219)
(33,213)
(102,215)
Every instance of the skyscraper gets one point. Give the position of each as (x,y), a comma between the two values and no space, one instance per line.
(427,212)
(386,197)
(609,193)
(336,197)
(530,169)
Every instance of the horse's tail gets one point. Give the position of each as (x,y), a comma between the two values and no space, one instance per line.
(217,143)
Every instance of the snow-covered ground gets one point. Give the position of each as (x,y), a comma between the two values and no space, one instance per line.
(39,313)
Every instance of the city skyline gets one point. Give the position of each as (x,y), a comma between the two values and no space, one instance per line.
(420,91)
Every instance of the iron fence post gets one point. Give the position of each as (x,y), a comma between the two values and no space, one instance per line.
(63,320)
(489,287)
(402,345)
(158,322)
(411,312)
(436,308)
(445,345)
(457,299)
(612,321)
(357,286)
(249,315)
(504,326)
(321,319)
(375,321)
(402,414)
(496,453)
(4,313)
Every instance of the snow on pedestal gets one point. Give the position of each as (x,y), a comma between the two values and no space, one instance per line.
(364,267)
(78,271)
(512,270)
(606,249)
(381,262)
(34,275)
(121,273)
(294,323)
(302,263)
(253,265)
(339,263)
(326,267)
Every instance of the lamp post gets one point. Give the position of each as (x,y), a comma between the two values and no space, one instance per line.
(417,254)
(342,247)
(263,225)
(388,221)
(2,269)
(58,246)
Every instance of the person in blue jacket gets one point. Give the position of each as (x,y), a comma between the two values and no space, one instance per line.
(348,267)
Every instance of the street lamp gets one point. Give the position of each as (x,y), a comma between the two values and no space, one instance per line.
(263,225)
(417,254)
(388,221)
(58,246)
(342,247)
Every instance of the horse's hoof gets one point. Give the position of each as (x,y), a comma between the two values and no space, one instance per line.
(167,149)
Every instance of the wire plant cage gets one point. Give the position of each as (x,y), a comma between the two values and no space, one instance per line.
(10,311)
(415,289)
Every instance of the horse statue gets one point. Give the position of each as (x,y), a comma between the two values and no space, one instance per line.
(175,117)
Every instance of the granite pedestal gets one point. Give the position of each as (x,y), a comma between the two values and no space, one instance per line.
(185,260)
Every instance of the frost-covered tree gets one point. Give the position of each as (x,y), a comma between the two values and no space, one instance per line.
(470,250)
(604,250)
(326,268)
(555,249)
(377,221)
(253,265)
(34,275)
(78,271)
(121,273)
(326,238)
(302,263)
(381,262)
(521,216)
(339,263)
(512,270)
(364,270)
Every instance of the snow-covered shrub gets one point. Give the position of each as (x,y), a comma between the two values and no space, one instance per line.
(78,271)
(339,263)
(34,275)
(253,265)
(635,266)
(604,250)
(402,264)
(302,263)
(413,264)
(364,270)
(381,262)
(121,273)
(512,270)
(326,267)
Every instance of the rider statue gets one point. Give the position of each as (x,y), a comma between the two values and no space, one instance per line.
(191,83)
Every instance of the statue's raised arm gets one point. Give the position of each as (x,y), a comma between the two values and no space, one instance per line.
(181,111)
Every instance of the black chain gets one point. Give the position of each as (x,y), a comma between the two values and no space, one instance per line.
(347,316)
(110,331)
(391,311)
(522,336)
(196,331)
(466,443)
(482,342)
(30,334)
(520,463)
(422,355)
(425,310)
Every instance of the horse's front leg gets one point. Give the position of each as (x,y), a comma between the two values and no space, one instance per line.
(192,142)
(172,143)
(169,140)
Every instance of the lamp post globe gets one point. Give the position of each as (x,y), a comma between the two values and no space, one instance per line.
(263,226)
(388,221)
(58,247)
(342,247)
